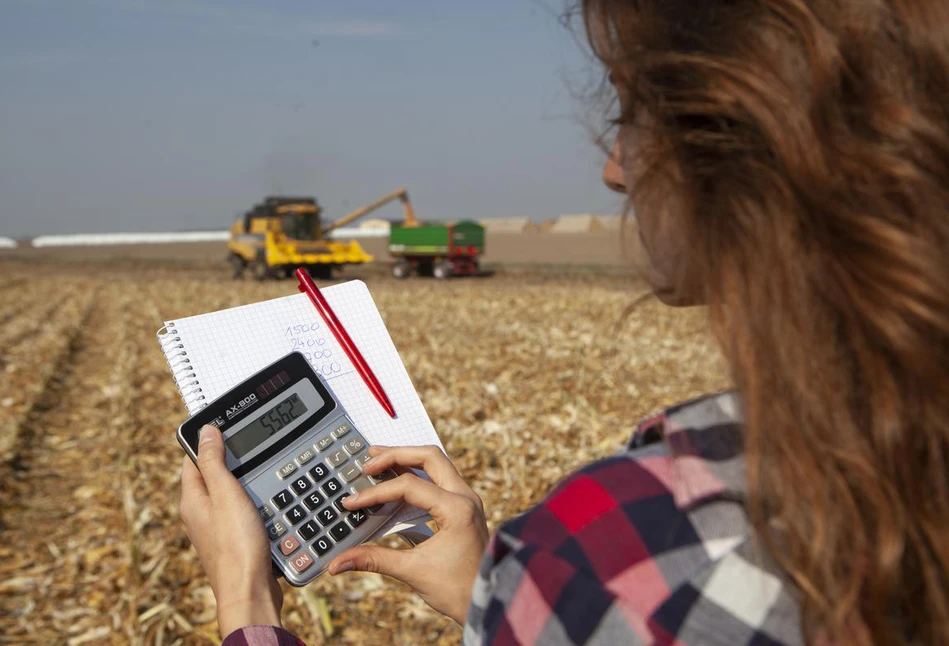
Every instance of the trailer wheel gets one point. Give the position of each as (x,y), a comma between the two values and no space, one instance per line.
(237,265)
(401,269)
(442,270)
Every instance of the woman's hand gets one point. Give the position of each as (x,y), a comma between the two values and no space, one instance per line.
(443,568)
(224,526)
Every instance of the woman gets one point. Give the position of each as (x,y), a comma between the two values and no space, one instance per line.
(788,162)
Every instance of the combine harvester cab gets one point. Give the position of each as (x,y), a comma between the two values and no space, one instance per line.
(436,249)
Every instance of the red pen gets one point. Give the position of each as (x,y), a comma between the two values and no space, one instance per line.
(329,317)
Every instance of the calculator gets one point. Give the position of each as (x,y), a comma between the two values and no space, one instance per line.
(297,453)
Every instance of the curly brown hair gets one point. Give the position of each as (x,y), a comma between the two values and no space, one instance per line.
(811,138)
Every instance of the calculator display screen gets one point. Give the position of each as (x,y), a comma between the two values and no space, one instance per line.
(267,425)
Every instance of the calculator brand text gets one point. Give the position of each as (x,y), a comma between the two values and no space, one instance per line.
(241,406)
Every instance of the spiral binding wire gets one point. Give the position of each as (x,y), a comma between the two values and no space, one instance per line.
(181,369)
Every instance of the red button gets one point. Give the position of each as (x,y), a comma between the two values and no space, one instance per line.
(302,562)
(289,545)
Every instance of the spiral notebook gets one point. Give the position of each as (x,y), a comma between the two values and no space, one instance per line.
(210,353)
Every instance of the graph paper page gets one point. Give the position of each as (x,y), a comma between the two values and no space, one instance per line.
(228,346)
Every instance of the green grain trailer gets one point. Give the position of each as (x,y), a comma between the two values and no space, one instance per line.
(437,249)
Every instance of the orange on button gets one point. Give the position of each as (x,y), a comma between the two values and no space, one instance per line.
(289,545)
(301,562)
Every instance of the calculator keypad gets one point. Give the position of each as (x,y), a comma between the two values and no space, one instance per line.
(311,501)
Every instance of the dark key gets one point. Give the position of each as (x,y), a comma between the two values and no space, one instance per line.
(375,508)
(340,531)
(313,501)
(322,545)
(296,515)
(308,530)
(319,472)
(357,518)
(276,530)
(331,487)
(282,499)
(326,516)
(382,477)
(338,503)
(301,485)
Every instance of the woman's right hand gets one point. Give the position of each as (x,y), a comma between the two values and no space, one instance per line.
(443,568)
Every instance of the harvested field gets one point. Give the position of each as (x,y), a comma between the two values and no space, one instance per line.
(523,375)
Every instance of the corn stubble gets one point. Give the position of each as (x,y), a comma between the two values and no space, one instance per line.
(526,377)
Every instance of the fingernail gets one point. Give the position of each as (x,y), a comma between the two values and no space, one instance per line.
(350,498)
(345,567)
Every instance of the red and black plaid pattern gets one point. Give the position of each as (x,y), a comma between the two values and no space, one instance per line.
(261,636)
(648,547)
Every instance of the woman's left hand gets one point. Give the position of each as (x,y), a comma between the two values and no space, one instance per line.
(225,529)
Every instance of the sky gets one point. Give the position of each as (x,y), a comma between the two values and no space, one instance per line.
(167,115)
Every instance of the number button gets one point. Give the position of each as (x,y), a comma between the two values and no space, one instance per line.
(354,445)
(288,469)
(265,513)
(336,458)
(357,518)
(305,457)
(289,545)
(296,514)
(340,431)
(349,472)
(324,443)
(322,545)
(338,503)
(340,531)
(332,487)
(309,529)
(313,501)
(302,562)
(282,499)
(276,530)
(301,485)
(319,472)
(326,516)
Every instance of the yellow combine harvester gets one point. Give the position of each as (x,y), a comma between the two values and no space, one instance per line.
(283,233)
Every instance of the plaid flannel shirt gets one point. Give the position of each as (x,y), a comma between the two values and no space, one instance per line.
(651,546)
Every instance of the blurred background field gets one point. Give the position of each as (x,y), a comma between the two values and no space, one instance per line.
(527,374)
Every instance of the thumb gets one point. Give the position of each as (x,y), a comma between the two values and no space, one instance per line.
(210,460)
(371,558)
